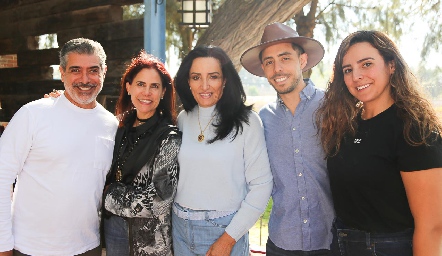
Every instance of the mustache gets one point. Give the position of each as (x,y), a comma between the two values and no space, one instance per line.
(84,85)
(279,74)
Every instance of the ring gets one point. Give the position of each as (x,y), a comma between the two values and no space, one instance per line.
(53,90)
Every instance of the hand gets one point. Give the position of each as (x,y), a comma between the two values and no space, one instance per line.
(8,253)
(222,247)
(53,94)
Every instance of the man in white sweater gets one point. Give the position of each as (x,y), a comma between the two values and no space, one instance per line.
(60,151)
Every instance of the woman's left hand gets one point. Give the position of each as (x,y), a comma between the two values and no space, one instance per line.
(222,247)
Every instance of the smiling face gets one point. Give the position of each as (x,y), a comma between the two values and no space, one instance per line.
(283,66)
(146,92)
(366,74)
(206,81)
(83,79)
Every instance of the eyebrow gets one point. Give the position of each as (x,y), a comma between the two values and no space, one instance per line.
(279,55)
(359,61)
(210,73)
(71,67)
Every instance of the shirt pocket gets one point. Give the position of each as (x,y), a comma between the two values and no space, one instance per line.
(103,153)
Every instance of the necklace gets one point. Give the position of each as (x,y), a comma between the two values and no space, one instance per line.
(140,121)
(119,173)
(201,136)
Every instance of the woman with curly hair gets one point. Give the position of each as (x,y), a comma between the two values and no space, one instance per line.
(384,152)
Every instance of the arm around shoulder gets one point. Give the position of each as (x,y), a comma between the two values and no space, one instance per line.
(424,193)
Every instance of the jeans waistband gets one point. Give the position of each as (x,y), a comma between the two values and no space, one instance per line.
(190,214)
(351,234)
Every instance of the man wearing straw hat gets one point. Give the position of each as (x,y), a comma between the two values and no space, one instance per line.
(302,212)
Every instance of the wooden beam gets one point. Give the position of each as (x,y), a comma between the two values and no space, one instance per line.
(61,21)
(122,49)
(118,30)
(38,57)
(14,45)
(21,74)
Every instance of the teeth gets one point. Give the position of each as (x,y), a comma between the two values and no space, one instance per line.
(146,101)
(362,87)
(204,95)
(280,79)
(85,88)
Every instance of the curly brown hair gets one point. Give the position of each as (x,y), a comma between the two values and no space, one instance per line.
(336,117)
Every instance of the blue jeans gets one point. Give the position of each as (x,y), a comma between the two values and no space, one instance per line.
(194,237)
(354,242)
(116,236)
(273,250)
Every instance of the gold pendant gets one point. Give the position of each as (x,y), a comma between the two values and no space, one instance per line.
(118,175)
(200,137)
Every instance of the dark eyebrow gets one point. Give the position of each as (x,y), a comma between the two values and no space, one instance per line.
(93,67)
(359,61)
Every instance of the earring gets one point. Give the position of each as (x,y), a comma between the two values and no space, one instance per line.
(128,93)
(359,104)
(161,97)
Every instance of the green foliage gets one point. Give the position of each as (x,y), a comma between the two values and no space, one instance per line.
(252,91)
(135,11)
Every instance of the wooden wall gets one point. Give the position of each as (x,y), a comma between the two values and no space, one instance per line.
(23,20)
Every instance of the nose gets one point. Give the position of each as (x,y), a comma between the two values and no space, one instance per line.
(205,84)
(277,66)
(357,74)
(85,77)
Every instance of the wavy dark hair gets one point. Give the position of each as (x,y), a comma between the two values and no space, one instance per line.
(337,115)
(231,106)
(141,61)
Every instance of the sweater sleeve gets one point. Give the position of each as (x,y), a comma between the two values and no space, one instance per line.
(155,198)
(259,179)
(15,144)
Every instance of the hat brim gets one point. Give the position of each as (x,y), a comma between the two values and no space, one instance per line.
(315,52)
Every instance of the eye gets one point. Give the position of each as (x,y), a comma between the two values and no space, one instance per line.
(214,77)
(367,64)
(195,77)
(94,70)
(154,86)
(268,62)
(141,84)
(347,70)
(286,58)
(74,70)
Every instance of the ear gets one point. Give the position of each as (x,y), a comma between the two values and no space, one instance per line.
(128,87)
(61,72)
(303,58)
(392,67)
(104,71)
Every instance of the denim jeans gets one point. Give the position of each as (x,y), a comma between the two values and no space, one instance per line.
(354,242)
(194,237)
(273,250)
(116,236)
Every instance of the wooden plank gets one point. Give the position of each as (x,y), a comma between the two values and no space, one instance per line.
(16,11)
(123,49)
(104,32)
(111,87)
(61,21)
(38,57)
(20,74)
(14,45)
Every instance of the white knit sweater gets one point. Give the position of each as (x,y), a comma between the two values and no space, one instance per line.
(225,175)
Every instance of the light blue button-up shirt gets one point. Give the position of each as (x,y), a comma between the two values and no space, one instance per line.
(302,213)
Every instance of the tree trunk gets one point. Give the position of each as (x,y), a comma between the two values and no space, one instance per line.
(239,25)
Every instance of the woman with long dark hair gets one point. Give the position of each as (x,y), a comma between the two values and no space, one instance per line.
(225,179)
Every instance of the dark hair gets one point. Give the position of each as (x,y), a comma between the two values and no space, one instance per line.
(231,106)
(295,47)
(337,115)
(82,46)
(140,62)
